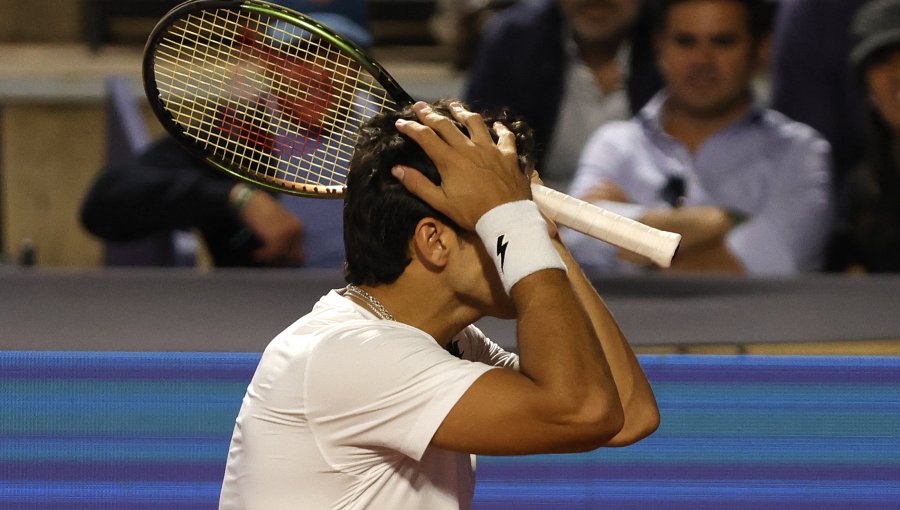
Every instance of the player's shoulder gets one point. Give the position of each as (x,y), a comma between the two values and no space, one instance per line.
(367,335)
(335,318)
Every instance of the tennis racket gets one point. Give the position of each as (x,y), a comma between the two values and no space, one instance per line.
(275,98)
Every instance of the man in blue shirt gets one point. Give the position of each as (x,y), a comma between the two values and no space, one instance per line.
(747,188)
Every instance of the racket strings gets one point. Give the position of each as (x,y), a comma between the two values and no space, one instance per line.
(240,121)
(196,97)
(249,129)
(267,98)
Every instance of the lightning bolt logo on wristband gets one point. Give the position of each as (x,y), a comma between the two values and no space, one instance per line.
(517,229)
(501,251)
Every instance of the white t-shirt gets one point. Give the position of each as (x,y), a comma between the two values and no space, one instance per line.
(341,411)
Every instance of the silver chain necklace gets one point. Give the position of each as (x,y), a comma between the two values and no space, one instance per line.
(374,304)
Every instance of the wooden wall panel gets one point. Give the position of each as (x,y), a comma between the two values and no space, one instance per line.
(50,154)
(41,21)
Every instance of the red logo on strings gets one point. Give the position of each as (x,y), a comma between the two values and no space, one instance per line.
(301,91)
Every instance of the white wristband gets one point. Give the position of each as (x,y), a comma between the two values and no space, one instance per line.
(515,235)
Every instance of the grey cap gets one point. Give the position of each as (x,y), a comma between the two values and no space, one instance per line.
(875,26)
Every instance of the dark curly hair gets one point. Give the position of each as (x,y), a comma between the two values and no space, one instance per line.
(380,215)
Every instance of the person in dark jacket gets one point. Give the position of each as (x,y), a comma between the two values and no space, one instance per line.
(167,188)
(812,79)
(576,64)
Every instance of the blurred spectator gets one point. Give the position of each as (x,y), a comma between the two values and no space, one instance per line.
(576,64)
(867,230)
(811,77)
(458,24)
(166,188)
(746,187)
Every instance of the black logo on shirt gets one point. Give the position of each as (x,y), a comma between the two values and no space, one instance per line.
(453,348)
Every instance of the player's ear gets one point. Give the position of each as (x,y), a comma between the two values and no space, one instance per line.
(432,241)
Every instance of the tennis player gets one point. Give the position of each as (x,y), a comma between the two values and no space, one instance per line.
(378,397)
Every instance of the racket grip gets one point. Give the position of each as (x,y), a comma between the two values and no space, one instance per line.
(657,245)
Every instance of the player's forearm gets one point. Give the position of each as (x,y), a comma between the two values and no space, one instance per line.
(558,349)
(635,393)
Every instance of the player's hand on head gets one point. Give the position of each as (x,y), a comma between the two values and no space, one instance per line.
(477,174)
(280,233)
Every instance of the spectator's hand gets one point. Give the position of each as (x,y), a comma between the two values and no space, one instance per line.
(476,174)
(606,191)
(703,230)
(279,231)
(698,225)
